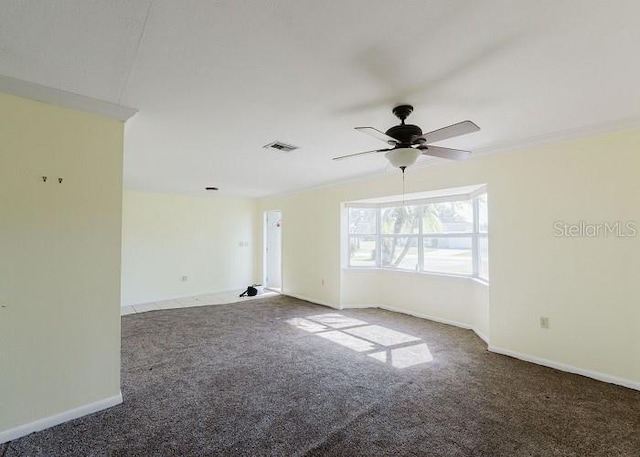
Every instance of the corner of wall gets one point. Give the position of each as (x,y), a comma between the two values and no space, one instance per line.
(47,422)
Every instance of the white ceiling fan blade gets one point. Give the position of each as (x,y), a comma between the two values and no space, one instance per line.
(461,128)
(348,156)
(445,153)
(377,134)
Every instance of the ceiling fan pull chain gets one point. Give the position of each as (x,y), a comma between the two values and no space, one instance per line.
(403,168)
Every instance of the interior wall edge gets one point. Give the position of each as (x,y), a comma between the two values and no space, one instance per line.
(481,335)
(47,422)
(312,300)
(567,368)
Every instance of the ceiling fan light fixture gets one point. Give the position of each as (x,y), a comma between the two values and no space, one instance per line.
(402,157)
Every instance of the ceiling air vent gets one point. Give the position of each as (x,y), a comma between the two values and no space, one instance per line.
(280,146)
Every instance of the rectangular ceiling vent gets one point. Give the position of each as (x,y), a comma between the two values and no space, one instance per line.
(280,146)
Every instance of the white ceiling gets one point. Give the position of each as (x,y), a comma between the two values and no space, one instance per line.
(215,80)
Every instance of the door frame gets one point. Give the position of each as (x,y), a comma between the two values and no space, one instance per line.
(265,245)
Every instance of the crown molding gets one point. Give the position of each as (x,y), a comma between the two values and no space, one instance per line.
(585,131)
(65,99)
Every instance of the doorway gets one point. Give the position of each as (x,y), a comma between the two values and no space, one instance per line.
(273,250)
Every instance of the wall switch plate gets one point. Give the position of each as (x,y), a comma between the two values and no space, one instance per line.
(544,322)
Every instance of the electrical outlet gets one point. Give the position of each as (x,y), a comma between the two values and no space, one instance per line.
(185,278)
(544,322)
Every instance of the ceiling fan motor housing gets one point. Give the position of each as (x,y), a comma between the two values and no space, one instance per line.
(404,133)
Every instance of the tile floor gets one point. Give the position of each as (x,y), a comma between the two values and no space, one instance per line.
(219,298)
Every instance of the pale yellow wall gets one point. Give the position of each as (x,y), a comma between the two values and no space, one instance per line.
(165,237)
(587,287)
(479,309)
(447,298)
(59,260)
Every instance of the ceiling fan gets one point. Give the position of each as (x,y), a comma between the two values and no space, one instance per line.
(404,137)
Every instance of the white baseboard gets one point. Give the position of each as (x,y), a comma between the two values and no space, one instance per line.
(481,335)
(568,368)
(426,316)
(312,300)
(359,306)
(41,424)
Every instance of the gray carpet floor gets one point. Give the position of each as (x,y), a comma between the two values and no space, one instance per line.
(284,377)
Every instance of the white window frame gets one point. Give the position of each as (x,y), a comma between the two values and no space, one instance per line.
(474,234)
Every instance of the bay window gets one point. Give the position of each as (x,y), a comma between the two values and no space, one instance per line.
(446,234)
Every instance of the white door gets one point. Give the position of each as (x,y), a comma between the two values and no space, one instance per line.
(273,250)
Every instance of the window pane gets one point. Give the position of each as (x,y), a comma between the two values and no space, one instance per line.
(399,252)
(483,217)
(483,256)
(448,255)
(448,217)
(362,220)
(362,251)
(400,220)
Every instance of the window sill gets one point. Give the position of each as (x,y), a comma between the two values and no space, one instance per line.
(479,280)
(419,273)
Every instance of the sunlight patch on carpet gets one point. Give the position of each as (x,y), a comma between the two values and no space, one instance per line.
(392,347)
(336,320)
(405,356)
